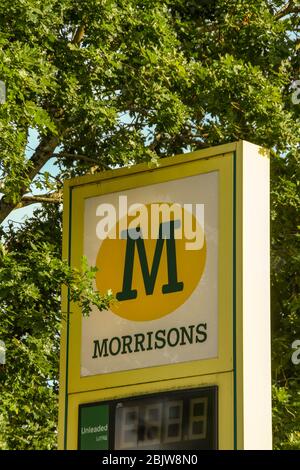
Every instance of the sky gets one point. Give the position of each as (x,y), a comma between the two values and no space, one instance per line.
(19,215)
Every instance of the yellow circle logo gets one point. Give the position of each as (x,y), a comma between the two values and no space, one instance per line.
(153,264)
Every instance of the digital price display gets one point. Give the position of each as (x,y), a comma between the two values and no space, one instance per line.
(167,421)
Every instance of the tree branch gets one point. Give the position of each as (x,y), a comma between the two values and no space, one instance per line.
(52,198)
(76,157)
(289,8)
(85,158)
(78,36)
(41,155)
(43,152)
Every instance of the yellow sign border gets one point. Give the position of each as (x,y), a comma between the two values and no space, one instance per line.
(73,388)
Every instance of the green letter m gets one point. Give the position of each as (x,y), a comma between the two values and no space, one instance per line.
(166,233)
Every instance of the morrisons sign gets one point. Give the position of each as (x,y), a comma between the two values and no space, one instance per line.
(159,257)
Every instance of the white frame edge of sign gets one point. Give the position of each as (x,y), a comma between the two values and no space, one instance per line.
(253,207)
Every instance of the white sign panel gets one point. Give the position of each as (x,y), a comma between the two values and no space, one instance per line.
(156,247)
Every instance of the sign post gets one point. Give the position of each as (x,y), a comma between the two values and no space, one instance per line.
(181,360)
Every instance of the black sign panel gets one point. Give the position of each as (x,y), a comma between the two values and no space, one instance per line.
(184,420)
